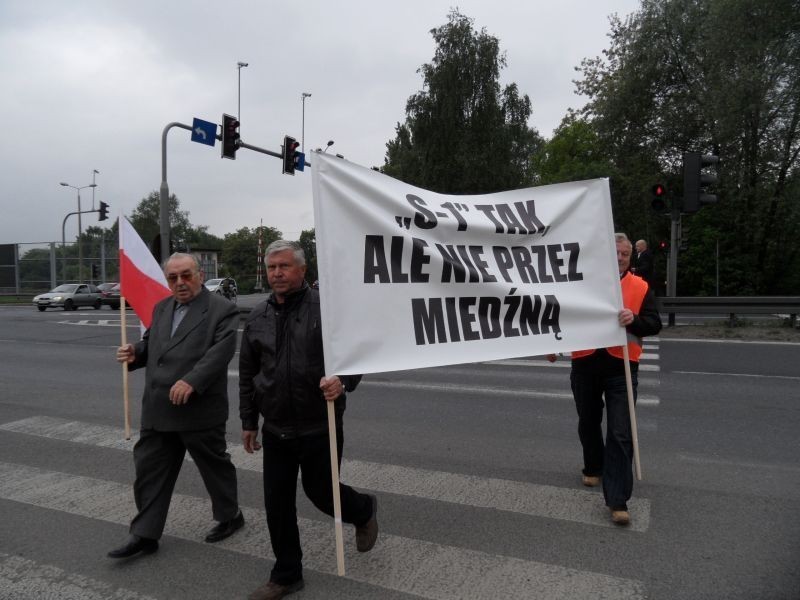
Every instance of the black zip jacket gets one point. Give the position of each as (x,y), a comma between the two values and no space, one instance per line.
(281,364)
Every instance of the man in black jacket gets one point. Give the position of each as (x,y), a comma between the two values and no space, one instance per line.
(645,264)
(282,378)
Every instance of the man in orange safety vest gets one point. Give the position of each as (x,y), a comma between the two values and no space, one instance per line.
(598,375)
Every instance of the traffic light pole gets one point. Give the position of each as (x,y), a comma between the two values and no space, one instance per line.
(163,196)
(64,245)
(672,263)
(163,201)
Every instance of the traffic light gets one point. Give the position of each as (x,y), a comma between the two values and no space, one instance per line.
(230,136)
(658,202)
(290,146)
(103,212)
(95,271)
(695,180)
(663,245)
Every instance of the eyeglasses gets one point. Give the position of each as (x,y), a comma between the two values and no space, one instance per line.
(186,276)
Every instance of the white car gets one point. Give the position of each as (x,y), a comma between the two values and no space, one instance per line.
(69,296)
(218,286)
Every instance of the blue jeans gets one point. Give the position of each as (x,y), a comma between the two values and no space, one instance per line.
(614,459)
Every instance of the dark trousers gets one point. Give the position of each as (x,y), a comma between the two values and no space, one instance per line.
(311,455)
(613,459)
(158,457)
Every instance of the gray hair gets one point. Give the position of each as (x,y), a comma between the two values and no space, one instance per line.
(184,255)
(281,245)
(621,238)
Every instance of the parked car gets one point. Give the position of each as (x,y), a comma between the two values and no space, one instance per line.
(69,296)
(110,295)
(224,286)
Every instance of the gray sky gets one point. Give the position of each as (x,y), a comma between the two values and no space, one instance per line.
(91,85)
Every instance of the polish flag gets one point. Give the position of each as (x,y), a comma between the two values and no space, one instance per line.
(141,280)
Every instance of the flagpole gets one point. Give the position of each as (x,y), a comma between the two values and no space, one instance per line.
(337,502)
(632,410)
(124,336)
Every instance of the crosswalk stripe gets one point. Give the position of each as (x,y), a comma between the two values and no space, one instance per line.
(576,505)
(418,567)
(24,579)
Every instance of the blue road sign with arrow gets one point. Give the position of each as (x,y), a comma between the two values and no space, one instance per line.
(204,132)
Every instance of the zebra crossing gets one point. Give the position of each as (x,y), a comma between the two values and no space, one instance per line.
(401,564)
(417,567)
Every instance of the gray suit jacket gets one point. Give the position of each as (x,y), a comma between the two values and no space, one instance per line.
(198,353)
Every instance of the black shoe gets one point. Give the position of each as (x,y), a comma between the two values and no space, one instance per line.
(367,534)
(134,545)
(275,591)
(226,529)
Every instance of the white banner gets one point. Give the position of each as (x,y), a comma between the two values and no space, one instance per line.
(410,278)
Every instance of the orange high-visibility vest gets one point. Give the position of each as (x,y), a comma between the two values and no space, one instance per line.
(634,290)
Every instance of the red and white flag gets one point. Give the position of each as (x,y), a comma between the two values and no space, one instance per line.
(141,280)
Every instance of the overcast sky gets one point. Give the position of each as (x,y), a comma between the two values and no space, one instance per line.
(91,85)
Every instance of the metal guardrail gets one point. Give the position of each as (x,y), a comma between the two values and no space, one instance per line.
(731,305)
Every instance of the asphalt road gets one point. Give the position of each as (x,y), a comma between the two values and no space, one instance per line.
(476,468)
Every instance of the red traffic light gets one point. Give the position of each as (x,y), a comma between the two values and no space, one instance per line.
(663,245)
(658,201)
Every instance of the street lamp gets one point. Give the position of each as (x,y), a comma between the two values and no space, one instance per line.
(80,229)
(94,172)
(303,132)
(239,66)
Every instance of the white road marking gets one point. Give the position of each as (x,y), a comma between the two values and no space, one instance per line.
(95,323)
(577,505)
(23,579)
(757,376)
(418,567)
(760,466)
(644,400)
(563,363)
(726,341)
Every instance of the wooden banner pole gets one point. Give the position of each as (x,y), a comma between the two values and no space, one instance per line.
(124,336)
(632,410)
(337,502)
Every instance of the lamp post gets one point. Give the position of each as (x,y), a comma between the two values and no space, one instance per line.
(94,172)
(80,229)
(239,66)
(303,132)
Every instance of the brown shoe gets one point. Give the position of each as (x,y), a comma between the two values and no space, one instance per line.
(620,516)
(275,591)
(367,534)
(591,480)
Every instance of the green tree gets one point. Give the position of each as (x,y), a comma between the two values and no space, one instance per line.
(308,240)
(462,133)
(146,221)
(185,237)
(700,75)
(573,153)
(240,254)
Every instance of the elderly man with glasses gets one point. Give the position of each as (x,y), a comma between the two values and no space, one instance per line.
(185,352)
